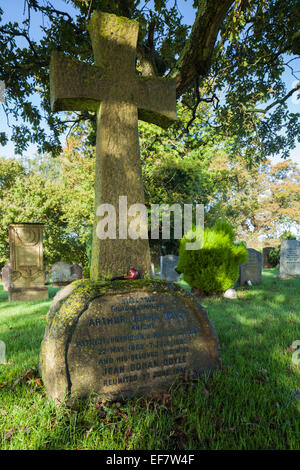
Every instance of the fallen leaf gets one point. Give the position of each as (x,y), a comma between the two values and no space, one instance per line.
(9,434)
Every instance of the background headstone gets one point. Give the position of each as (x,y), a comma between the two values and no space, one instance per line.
(6,276)
(47,278)
(168,264)
(76,272)
(266,262)
(26,260)
(251,271)
(2,353)
(61,274)
(290,258)
(134,339)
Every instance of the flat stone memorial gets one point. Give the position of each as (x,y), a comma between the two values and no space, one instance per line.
(289,259)
(168,264)
(251,271)
(26,260)
(124,339)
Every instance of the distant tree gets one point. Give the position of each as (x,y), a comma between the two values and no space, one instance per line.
(58,193)
(263,200)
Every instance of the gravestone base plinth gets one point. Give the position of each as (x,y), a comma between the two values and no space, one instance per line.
(23,294)
(124,338)
(61,284)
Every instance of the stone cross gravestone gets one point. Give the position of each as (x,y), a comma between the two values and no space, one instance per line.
(113,89)
(251,271)
(2,353)
(26,259)
(120,338)
(6,276)
(289,259)
(168,264)
(63,273)
(124,339)
(266,262)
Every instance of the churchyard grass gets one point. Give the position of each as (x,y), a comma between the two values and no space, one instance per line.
(253,402)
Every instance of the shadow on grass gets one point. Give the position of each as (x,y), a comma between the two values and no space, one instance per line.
(248,404)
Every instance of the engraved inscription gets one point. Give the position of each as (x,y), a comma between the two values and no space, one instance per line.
(135,339)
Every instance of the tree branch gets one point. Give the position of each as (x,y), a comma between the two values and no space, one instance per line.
(195,58)
(279,101)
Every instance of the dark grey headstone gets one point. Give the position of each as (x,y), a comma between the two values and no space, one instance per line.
(168,264)
(290,258)
(251,271)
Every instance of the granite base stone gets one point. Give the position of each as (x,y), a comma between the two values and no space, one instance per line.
(124,338)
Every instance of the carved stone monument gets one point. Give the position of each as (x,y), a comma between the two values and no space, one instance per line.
(124,339)
(120,338)
(26,259)
(289,259)
(251,271)
(168,264)
(266,262)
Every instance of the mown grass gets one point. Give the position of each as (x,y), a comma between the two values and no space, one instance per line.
(252,402)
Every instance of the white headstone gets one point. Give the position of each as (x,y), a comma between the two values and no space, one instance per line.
(290,258)
(168,264)
(2,353)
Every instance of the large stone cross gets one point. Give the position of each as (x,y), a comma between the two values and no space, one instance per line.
(120,97)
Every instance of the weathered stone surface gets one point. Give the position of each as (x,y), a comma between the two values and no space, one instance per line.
(2,352)
(168,264)
(125,97)
(289,259)
(47,278)
(251,271)
(61,273)
(266,262)
(76,272)
(6,276)
(26,259)
(230,294)
(124,338)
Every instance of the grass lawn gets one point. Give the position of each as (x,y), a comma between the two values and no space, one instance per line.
(253,402)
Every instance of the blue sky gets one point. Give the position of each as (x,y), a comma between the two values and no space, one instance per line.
(14,11)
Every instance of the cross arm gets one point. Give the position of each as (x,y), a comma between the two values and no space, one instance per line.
(156,100)
(74,85)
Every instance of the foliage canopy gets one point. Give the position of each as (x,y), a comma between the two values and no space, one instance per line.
(233,58)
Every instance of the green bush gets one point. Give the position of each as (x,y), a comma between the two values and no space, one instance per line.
(274,256)
(215,267)
(86,272)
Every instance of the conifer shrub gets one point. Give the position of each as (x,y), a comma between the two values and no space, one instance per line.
(214,268)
